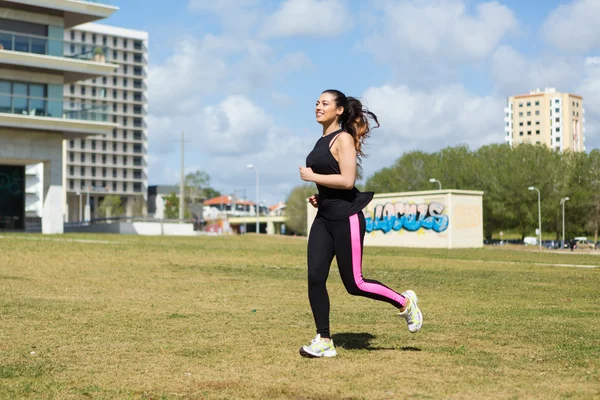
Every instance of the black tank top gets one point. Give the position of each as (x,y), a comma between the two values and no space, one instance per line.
(334,203)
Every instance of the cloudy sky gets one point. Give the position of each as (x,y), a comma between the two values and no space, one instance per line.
(241,77)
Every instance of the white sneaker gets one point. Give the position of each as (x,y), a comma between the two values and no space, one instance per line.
(412,314)
(319,348)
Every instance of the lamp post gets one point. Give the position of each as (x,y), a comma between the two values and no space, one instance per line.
(539,212)
(562,203)
(433,180)
(251,166)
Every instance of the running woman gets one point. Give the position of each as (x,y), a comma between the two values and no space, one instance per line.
(339,227)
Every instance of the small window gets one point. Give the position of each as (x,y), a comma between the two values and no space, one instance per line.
(94,158)
(72,35)
(557,110)
(82,157)
(528,123)
(537,112)
(114,54)
(93,144)
(520,133)
(528,104)
(537,103)
(72,143)
(557,139)
(71,170)
(83,90)
(94,38)
(529,113)
(557,119)
(124,186)
(125,43)
(114,42)
(537,122)
(82,171)
(537,132)
(114,133)
(520,104)
(557,129)
(114,146)
(538,142)
(529,133)
(114,187)
(83,37)
(520,114)
(520,124)
(82,144)
(556,101)
(93,171)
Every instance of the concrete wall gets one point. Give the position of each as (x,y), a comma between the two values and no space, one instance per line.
(429,219)
(138,228)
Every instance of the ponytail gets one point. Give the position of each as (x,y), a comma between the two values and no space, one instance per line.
(354,119)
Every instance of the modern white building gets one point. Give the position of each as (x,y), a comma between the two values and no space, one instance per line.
(115,164)
(34,119)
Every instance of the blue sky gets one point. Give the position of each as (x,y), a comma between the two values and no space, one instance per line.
(240,77)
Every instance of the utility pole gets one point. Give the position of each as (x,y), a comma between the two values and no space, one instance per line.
(181,183)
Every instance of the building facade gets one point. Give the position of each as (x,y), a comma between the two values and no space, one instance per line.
(546,117)
(34,119)
(115,164)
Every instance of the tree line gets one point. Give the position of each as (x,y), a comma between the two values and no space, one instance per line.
(504,175)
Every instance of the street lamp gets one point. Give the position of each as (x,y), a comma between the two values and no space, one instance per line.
(433,180)
(539,213)
(562,203)
(251,166)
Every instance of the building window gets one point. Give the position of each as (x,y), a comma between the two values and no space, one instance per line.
(520,104)
(557,129)
(537,132)
(114,54)
(528,113)
(115,163)
(537,122)
(103,158)
(124,173)
(114,187)
(93,171)
(124,94)
(83,36)
(94,38)
(83,90)
(72,90)
(124,56)
(114,146)
(125,69)
(124,186)
(537,112)
(529,133)
(528,123)
(103,40)
(124,121)
(114,173)
(520,124)
(114,107)
(125,134)
(71,157)
(137,174)
(137,187)
(137,45)
(537,103)
(94,91)
(538,142)
(104,173)
(124,160)
(557,110)
(114,94)
(82,157)
(528,104)
(557,119)
(93,158)
(72,35)
(71,184)
(82,144)
(71,170)
(124,82)
(114,81)
(82,171)
(557,139)
(125,43)
(72,144)
(124,108)
(114,133)
(556,101)
(114,42)
(520,114)
(520,133)
(103,146)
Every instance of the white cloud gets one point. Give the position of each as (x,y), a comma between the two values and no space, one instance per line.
(314,18)
(574,27)
(429,120)
(221,140)
(430,37)
(236,16)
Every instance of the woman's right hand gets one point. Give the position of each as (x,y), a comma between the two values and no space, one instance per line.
(314,200)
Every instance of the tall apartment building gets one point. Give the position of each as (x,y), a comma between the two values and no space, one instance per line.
(34,119)
(546,117)
(115,164)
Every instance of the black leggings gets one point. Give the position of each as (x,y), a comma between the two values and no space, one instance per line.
(344,240)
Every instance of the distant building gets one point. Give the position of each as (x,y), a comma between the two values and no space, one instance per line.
(277,209)
(546,117)
(223,206)
(156,199)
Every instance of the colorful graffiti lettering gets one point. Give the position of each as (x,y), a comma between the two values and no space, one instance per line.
(412,217)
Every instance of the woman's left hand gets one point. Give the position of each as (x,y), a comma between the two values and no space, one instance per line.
(307,174)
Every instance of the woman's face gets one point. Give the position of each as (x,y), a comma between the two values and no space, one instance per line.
(326,111)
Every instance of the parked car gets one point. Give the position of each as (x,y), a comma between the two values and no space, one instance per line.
(530,241)
(583,243)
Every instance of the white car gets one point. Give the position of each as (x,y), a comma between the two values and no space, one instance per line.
(530,241)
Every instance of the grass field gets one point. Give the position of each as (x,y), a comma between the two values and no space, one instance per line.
(99,316)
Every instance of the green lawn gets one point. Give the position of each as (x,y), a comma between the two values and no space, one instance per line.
(106,316)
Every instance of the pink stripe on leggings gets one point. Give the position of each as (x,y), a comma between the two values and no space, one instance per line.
(357,267)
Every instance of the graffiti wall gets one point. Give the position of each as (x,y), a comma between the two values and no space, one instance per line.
(411,217)
(430,219)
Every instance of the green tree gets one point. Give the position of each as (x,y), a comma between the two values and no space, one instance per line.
(172,207)
(111,206)
(584,193)
(209,193)
(296,208)
(195,184)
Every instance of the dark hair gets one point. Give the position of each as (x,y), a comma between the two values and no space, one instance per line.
(354,119)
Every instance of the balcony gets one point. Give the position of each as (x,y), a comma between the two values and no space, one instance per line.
(39,113)
(44,54)
(74,12)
